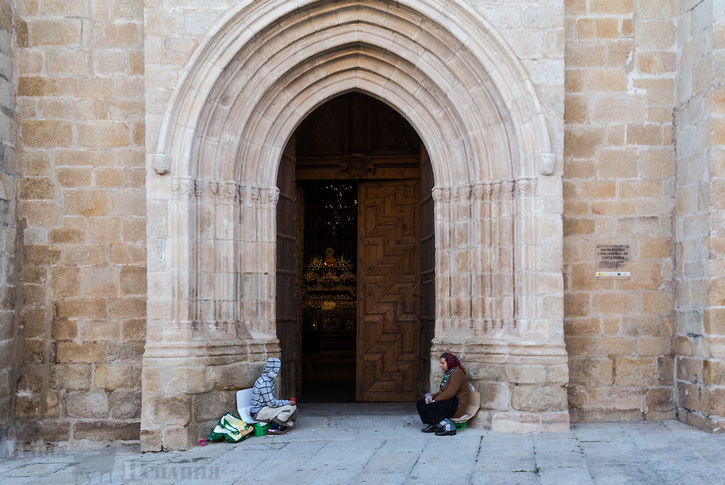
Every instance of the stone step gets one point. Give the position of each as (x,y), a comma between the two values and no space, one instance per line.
(357,416)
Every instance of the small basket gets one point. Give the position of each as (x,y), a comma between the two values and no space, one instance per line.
(260,429)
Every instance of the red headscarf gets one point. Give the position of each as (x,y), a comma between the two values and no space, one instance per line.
(453,362)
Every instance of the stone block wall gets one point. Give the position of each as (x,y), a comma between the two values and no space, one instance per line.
(94,81)
(535,31)
(81,210)
(8,229)
(619,188)
(700,236)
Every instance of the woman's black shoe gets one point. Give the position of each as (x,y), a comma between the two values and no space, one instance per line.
(430,429)
(443,432)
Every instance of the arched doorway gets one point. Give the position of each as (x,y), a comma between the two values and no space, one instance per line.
(355,271)
(213,201)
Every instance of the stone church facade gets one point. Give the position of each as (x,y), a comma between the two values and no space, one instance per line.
(141,148)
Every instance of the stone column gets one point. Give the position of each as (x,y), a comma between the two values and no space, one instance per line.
(700,272)
(507,323)
(211,306)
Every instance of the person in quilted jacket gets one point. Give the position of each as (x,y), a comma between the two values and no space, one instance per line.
(280,413)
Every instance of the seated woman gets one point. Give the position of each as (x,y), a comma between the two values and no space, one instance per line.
(449,402)
(266,407)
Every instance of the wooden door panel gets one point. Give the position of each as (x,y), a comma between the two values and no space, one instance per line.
(426,290)
(286,307)
(388,271)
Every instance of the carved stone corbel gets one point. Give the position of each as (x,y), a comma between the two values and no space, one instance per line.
(161,163)
(546,163)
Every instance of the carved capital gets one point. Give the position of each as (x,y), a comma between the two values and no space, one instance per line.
(231,191)
(462,193)
(504,189)
(183,187)
(483,190)
(441,194)
(479,190)
(272,195)
(223,191)
(253,194)
(198,188)
(526,187)
(257,195)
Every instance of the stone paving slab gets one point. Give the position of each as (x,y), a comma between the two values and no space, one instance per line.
(384,445)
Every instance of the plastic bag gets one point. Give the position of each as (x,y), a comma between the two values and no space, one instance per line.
(231,429)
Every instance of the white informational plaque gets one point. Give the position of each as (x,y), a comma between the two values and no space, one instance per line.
(613,262)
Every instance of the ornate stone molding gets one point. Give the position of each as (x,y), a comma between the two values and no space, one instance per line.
(222,191)
(482,190)
(228,191)
(198,188)
(258,195)
(272,194)
(500,189)
(441,195)
(183,187)
(526,187)
(462,193)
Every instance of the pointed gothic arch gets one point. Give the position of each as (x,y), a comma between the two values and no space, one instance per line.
(266,66)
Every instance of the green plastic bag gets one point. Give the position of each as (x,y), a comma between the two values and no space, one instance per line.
(231,429)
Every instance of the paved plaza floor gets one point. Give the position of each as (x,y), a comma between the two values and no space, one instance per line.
(382,444)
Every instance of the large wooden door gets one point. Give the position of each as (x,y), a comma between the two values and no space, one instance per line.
(426,288)
(287,328)
(388,272)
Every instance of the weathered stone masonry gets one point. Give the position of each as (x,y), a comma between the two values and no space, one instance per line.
(138,239)
(619,189)
(8,228)
(81,212)
(211,185)
(700,128)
